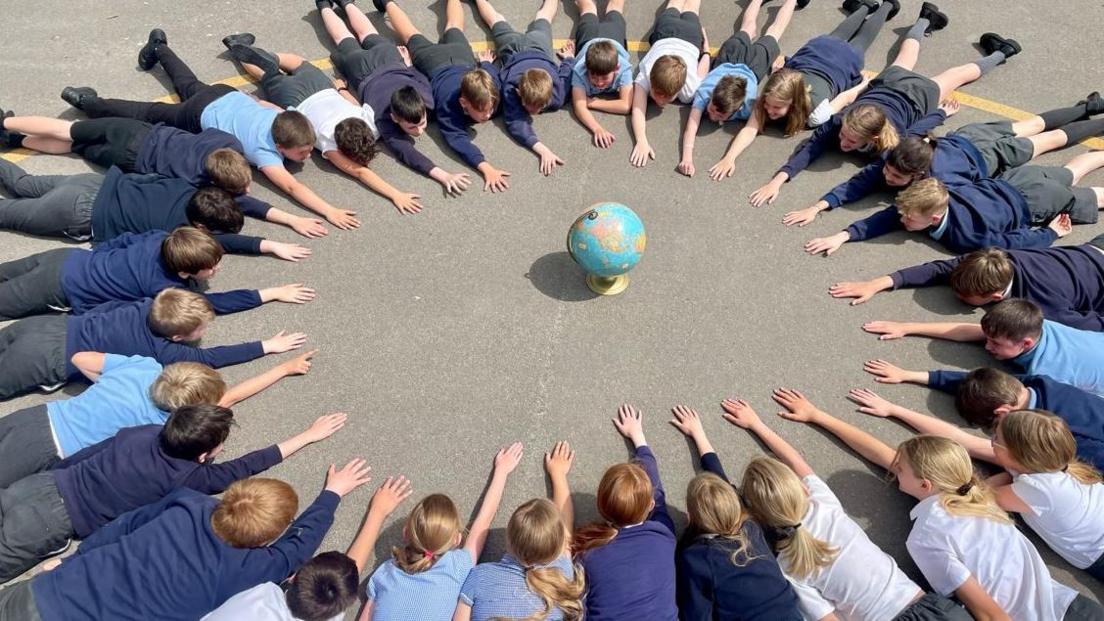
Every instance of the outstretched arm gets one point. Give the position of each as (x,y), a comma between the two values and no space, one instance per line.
(747,134)
(237,393)
(740,413)
(686,166)
(505,461)
(870,403)
(405,202)
(558,463)
(642,152)
(947,330)
(601,138)
(622,105)
(799,409)
(306,197)
(386,499)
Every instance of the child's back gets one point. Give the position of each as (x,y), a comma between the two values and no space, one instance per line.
(430,595)
(1068,355)
(240,116)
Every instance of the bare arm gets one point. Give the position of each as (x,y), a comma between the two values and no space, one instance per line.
(740,413)
(622,105)
(799,409)
(320,429)
(90,364)
(462,612)
(747,134)
(947,330)
(558,463)
(847,97)
(505,462)
(1009,501)
(639,109)
(384,501)
(307,227)
(237,393)
(689,135)
(404,201)
(582,110)
(978,601)
(871,403)
(306,197)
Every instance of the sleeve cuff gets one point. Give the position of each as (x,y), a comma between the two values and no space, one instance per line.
(832,200)
(897,279)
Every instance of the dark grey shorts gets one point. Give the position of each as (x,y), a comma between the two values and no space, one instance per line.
(1084,609)
(536,38)
(758,56)
(934,607)
(998,144)
(452,49)
(35,524)
(922,92)
(111,141)
(17,603)
(32,285)
(610,26)
(671,24)
(27,444)
(287,90)
(32,354)
(356,62)
(1049,191)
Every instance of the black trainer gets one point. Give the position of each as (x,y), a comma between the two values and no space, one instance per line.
(147,56)
(993,42)
(246,39)
(854,5)
(381,5)
(895,10)
(341,4)
(323,4)
(937,20)
(1094,103)
(76,95)
(802,4)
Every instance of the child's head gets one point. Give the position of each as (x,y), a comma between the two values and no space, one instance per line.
(180,315)
(779,501)
(1011,328)
(602,64)
(714,508)
(1036,442)
(356,141)
(534,89)
(478,95)
(909,161)
(323,587)
(536,537)
(432,529)
(865,126)
(293,135)
(986,394)
(923,204)
(667,77)
(254,512)
(196,432)
(982,276)
(929,465)
(214,209)
(229,170)
(408,110)
(785,95)
(189,252)
(186,383)
(624,499)
(728,98)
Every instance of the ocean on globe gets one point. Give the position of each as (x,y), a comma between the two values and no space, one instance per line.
(608,240)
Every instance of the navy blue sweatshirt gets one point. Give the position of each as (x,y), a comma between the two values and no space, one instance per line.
(1067,282)
(712,587)
(123,328)
(172,152)
(376,91)
(518,121)
(103,481)
(955,161)
(990,213)
(130,268)
(451,119)
(1082,411)
(834,60)
(164,562)
(131,203)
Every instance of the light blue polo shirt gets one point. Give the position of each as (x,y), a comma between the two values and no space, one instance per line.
(240,116)
(1068,355)
(624,71)
(705,91)
(429,596)
(499,591)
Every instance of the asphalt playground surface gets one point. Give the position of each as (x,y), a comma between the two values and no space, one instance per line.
(449,334)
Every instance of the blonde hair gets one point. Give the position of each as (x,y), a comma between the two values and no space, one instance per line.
(777,498)
(229,170)
(431,530)
(478,87)
(535,88)
(926,197)
(714,508)
(668,75)
(253,512)
(787,85)
(536,536)
(1041,442)
(186,383)
(177,312)
(870,122)
(624,498)
(946,465)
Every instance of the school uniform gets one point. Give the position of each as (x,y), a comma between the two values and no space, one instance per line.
(430,595)
(1068,355)
(519,53)
(264,602)
(240,115)
(679,46)
(591,29)
(830,66)
(1067,514)
(739,58)
(499,590)
(163,561)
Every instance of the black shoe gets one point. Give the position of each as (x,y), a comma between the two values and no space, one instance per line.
(323,4)
(802,4)
(854,5)
(1094,103)
(246,39)
(344,3)
(937,20)
(993,42)
(77,95)
(895,10)
(381,5)
(147,57)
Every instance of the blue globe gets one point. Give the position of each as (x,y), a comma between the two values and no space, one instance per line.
(608,240)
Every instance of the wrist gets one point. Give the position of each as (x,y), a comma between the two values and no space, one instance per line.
(639,441)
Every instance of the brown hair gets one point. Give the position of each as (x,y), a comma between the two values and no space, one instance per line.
(714,508)
(188,250)
(1042,442)
(253,512)
(355,141)
(926,197)
(1015,320)
(186,383)
(912,156)
(982,272)
(535,88)
(601,58)
(229,170)
(869,122)
(291,130)
(477,86)
(668,75)
(947,466)
(177,312)
(787,85)
(984,390)
(729,94)
(624,498)
(536,536)
(431,530)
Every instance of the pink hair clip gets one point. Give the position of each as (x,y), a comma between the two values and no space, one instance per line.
(427,554)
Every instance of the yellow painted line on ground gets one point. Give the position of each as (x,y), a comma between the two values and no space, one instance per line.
(978,103)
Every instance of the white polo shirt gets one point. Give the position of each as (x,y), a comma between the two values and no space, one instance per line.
(863,583)
(948,549)
(264,602)
(1067,514)
(326,109)
(672,46)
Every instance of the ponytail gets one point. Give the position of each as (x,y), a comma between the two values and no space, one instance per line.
(556,591)
(870,122)
(536,536)
(913,156)
(431,531)
(1042,442)
(947,466)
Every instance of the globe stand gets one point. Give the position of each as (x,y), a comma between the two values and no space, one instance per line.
(611,285)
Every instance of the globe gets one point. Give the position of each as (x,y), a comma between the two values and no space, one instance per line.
(607,241)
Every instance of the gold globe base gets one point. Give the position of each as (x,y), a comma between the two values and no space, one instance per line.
(611,285)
